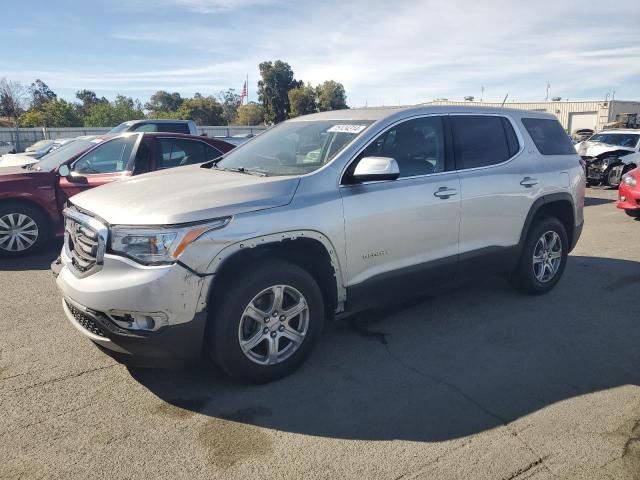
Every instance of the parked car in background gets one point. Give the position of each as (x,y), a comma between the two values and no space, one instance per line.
(174,126)
(326,213)
(629,193)
(7,147)
(32,196)
(605,154)
(39,149)
(582,134)
(20,159)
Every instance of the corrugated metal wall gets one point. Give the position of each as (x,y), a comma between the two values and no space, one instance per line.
(604,111)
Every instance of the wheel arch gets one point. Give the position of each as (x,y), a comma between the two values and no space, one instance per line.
(310,250)
(25,200)
(559,205)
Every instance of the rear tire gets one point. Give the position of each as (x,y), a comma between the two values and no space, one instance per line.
(543,258)
(634,213)
(248,324)
(23,229)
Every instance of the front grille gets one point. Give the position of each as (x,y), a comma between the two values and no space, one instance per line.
(82,245)
(84,239)
(87,322)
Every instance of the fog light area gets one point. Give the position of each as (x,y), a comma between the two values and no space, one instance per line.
(149,321)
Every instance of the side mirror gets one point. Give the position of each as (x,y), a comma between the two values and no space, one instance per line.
(372,169)
(64,171)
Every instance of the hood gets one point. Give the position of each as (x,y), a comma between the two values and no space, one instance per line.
(591,149)
(16,160)
(185,194)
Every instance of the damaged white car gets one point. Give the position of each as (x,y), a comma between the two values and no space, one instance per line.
(609,155)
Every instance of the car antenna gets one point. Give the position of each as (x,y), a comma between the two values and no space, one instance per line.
(505,99)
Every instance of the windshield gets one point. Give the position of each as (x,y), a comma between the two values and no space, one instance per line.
(120,128)
(65,152)
(294,148)
(40,144)
(618,139)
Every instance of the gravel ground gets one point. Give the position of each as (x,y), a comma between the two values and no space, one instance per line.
(479,382)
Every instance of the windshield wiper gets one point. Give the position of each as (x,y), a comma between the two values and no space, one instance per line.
(244,170)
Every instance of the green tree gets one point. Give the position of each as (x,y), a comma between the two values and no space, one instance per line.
(331,96)
(40,94)
(89,99)
(230,101)
(273,89)
(163,101)
(302,100)
(12,98)
(31,118)
(202,110)
(53,113)
(250,114)
(113,113)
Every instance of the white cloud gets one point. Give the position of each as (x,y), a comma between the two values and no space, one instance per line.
(404,51)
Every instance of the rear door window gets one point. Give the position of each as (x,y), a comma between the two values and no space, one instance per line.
(549,136)
(482,140)
(176,152)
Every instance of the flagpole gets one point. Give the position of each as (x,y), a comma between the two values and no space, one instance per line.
(247,83)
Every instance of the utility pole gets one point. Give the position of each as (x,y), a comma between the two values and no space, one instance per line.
(548,87)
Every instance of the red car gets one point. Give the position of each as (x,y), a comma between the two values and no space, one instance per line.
(629,193)
(32,196)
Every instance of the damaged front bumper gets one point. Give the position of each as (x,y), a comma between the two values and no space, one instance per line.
(151,316)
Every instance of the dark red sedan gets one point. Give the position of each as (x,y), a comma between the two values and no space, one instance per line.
(32,196)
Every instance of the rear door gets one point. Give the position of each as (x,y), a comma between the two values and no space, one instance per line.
(497,183)
(110,161)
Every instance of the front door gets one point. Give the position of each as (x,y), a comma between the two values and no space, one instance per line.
(108,162)
(402,235)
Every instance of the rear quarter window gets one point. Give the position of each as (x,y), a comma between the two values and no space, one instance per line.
(549,136)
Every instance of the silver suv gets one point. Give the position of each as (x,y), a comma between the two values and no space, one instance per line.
(242,258)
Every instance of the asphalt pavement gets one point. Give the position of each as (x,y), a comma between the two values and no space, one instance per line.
(479,382)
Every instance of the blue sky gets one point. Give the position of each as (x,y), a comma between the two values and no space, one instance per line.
(384,52)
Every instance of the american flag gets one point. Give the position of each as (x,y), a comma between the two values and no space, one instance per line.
(243,95)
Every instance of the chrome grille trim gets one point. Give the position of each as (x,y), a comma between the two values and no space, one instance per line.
(85,241)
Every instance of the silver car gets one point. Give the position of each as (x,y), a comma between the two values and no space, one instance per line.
(242,258)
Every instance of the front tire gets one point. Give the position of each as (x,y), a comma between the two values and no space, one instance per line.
(23,229)
(266,322)
(543,257)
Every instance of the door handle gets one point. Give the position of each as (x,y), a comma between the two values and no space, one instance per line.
(528,182)
(443,193)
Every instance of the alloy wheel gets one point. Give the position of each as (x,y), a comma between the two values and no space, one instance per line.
(547,256)
(273,325)
(18,232)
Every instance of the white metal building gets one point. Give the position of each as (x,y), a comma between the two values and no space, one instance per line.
(572,115)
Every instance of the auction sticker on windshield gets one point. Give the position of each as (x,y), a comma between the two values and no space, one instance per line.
(346,129)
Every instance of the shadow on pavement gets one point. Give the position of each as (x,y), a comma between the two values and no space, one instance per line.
(39,261)
(595,201)
(456,364)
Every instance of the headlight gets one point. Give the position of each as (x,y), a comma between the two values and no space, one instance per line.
(158,245)
(629,180)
